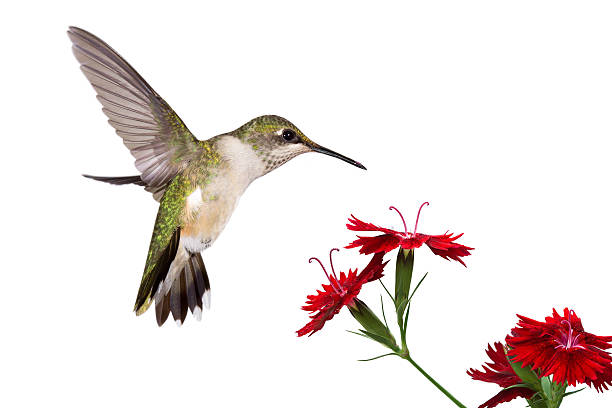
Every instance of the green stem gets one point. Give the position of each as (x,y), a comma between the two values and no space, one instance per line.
(400,323)
(406,356)
(559,396)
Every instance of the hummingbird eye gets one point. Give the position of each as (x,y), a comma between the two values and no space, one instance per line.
(289,135)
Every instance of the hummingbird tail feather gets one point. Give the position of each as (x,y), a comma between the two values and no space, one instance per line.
(157,271)
(117,180)
(157,191)
(187,289)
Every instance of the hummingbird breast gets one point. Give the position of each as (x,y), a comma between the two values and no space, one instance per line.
(209,207)
(204,225)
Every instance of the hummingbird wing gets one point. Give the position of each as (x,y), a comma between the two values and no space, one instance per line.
(155,135)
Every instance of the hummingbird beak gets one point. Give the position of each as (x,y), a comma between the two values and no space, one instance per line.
(320,149)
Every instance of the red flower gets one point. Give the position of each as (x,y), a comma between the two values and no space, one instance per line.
(501,373)
(508,395)
(560,347)
(603,380)
(340,292)
(443,245)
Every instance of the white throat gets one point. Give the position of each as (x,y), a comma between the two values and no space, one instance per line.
(244,163)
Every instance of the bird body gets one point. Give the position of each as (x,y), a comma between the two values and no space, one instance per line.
(198,183)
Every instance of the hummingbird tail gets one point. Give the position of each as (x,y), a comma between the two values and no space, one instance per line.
(117,180)
(156,190)
(189,289)
(177,281)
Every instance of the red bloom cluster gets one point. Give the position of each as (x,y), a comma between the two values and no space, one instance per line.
(443,245)
(501,373)
(341,291)
(560,347)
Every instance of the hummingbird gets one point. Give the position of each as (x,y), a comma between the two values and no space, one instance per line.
(197,183)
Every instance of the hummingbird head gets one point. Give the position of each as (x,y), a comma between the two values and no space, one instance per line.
(276,141)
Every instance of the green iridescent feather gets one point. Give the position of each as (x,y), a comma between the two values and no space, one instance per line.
(170,215)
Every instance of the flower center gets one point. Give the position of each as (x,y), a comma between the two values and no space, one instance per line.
(333,279)
(404,221)
(568,340)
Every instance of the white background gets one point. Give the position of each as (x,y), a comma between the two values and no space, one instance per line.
(497,113)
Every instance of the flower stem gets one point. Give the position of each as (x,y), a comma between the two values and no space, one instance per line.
(450,396)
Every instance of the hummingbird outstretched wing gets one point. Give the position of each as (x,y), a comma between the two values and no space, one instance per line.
(155,135)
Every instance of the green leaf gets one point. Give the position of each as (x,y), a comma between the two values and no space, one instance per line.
(572,392)
(403,277)
(526,374)
(402,307)
(515,386)
(547,388)
(382,307)
(537,402)
(417,286)
(404,326)
(367,318)
(377,357)
(359,334)
(558,392)
(382,340)
(374,328)
(387,290)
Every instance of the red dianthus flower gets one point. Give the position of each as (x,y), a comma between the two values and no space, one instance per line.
(341,291)
(500,372)
(560,347)
(443,245)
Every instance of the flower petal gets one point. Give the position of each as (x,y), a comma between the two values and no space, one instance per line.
(374,270)
(508,395)
(318,320)
(325,304)
(355,224)
(499,370)
(445,246)
(413,242)
(603,380)
(369,245)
